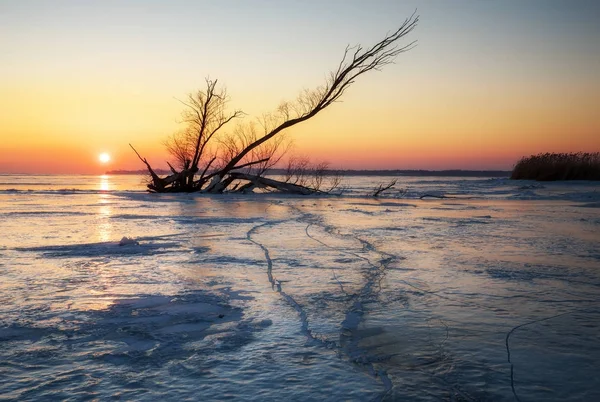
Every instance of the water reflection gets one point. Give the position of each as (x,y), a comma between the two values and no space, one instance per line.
(104,183)
(104,227)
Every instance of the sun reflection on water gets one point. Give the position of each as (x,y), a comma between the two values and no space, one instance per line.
(104,183)
(104,227)
(104,224)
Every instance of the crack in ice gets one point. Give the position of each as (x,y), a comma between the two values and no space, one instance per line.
(276,284)
(512,377)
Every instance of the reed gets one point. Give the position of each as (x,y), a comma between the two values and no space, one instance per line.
(558,166)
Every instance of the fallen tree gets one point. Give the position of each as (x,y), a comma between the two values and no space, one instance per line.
(206,160)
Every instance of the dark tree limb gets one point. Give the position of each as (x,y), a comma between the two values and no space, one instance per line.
(172,168)
(264,182)
(158,182)
(377,56)
(383,188)
(206,116)
(206,169)
(250,163)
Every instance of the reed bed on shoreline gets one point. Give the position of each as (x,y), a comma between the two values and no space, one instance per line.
(558,166)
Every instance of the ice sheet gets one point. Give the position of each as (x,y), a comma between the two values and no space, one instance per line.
(495,297)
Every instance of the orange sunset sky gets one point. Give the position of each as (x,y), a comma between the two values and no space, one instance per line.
(488,82)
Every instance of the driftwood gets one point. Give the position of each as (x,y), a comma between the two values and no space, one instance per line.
(263,182)
(383,188)
(211,162)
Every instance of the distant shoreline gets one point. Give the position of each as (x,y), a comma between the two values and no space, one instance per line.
(351,172)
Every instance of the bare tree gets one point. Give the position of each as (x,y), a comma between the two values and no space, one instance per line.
(211,164)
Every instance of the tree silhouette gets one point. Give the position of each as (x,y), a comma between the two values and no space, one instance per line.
(209,162)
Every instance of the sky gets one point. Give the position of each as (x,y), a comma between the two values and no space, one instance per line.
(487,83)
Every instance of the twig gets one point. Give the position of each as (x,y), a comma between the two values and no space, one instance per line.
(383,188)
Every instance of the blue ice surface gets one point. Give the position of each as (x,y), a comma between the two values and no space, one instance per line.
(491,293)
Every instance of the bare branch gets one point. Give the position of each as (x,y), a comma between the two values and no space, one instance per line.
(205,116)
(382,53)
(250,163)
(383,188)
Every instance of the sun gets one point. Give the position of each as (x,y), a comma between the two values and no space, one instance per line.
(104,157)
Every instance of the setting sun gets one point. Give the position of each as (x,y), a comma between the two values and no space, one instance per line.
(359,200)
(104,157)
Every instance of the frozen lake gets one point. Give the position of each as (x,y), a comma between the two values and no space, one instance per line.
(490,296)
